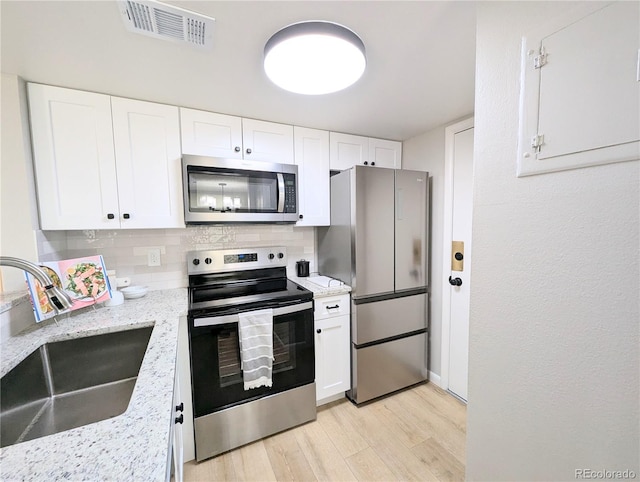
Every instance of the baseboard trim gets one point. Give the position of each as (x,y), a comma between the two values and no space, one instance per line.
(435,379)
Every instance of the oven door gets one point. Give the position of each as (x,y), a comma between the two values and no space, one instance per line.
(219,190)
(215,357)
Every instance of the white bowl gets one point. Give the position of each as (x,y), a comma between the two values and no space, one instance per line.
(133,292)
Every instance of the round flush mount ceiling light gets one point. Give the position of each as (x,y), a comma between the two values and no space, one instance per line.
(314,58)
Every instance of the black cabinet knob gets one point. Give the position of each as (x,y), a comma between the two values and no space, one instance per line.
(318,330)
(180,408)
(180,419)
(248,151)
(196,262)
(237,149)
(301,216)
(458,256)
(366,163)
(110,216)
(455,281)
(126,215)
(373,163)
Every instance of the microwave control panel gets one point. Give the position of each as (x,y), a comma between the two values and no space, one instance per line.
(290,193)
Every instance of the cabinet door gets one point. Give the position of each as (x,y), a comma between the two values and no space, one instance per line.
(147,144)
(267,141)
(177,439)
(312,159)
(74,158)
(581,90)
(332,357)
(383,153)
(346,150)
(211,134)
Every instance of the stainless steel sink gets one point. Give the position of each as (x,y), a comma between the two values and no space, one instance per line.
(67,384)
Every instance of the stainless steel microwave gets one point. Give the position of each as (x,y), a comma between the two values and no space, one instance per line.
(220,190)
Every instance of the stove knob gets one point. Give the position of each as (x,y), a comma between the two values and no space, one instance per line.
(271,256)
(207,260)
(196,261)
(280,255)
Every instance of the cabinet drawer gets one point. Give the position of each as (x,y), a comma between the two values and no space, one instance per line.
(330,306)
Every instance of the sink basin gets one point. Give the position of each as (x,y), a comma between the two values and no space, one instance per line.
(68,384)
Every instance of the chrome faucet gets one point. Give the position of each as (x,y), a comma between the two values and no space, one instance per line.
(59,299)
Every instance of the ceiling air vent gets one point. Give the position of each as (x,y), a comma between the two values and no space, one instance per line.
(167,22)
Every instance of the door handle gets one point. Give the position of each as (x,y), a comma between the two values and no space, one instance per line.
(455,281)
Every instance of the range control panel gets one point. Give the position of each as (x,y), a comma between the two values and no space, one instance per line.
(215,261)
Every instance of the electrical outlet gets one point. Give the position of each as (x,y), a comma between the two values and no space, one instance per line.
(153,257)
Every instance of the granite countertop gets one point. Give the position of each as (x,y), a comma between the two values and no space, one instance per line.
(320,291)
(131,446)
(9,300)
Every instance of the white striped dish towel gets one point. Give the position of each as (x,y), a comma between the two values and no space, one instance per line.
(255,330)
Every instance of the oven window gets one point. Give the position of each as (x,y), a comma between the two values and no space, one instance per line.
(284,354)
(237,191)
(216,376)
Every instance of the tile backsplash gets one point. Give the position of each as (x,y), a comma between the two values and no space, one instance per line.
(126,250)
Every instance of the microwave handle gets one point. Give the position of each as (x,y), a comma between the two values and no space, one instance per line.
(280,192)
(223,320)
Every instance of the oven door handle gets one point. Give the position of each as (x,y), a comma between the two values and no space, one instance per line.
(280,192)
(223,320)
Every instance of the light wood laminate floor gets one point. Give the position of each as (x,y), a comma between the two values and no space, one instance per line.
(417,434)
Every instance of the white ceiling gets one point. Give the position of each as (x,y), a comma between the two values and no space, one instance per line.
(420,60)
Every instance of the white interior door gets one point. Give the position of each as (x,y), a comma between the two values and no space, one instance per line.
(457,258)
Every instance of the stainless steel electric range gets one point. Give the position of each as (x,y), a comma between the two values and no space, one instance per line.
(222,285)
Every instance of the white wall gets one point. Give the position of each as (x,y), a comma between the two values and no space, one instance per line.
(17,216)
(553,365)
(426,153)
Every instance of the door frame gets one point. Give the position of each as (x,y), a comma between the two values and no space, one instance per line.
(447,230)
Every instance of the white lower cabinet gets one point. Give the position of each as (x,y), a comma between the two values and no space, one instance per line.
(177,461)
(332,339)
(184,372)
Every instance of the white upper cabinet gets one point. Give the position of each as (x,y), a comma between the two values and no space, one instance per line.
(312,159)
(383,153)
(347,150)
(219,135)
(581,90)
(267,141)
(211,134)
(103,162)
(74,158)
(148,162)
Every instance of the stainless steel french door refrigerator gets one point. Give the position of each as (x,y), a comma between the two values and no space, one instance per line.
(378,244)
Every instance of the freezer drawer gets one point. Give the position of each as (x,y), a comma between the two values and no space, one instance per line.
(384,319)
(389,366)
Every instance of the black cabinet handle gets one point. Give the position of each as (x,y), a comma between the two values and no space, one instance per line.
(373,163)
(126,215)
(180,419)
(455,281)
(110,216)
(180,408)
(248,151)
(237,149)
(333,307)
(301,216)
(366,163)
(318,330)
